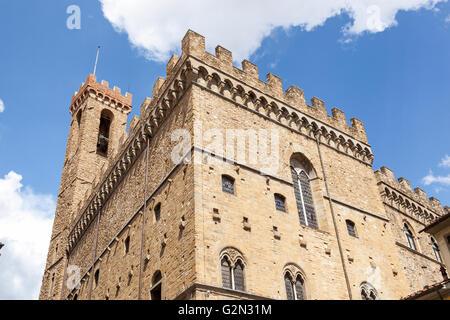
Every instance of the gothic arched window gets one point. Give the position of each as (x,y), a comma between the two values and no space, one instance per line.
(294,283)
(103,132)
(368,292)
(294,289)
(232,268)
(239,276)
(302,172)
(299,288)
(436,250)
(409,237)
(289,287)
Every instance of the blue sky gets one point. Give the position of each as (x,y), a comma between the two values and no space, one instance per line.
(396,80)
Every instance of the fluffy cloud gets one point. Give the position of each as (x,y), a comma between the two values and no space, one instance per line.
(442,180)
(156,27)
(431,178)
(25,227)
(445,162)
(2,106)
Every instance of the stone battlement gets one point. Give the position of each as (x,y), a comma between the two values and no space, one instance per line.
(101,92)
(401,192)
(217,74)
(193,44)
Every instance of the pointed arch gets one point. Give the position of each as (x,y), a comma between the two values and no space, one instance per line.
(368,291)
(410,238)
(302,172)
(233,266)
(437,252)
(226,272)
(294,282)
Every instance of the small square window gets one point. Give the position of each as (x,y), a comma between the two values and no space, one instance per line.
(280,202)
(227,184)
(157,212)
(351,228)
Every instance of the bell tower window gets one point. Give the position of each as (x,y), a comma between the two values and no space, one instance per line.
(103,133)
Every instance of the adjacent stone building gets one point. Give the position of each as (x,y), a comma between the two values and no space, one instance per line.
(439,232)
(228,187)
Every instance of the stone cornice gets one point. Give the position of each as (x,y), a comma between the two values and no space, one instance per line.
(101,92)
(400,201)
(374,215)
(277,110)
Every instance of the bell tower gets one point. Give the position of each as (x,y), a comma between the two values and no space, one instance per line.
(99,120)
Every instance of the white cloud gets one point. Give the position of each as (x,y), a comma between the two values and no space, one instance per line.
(431,178)
(439,189)
(25,228)
(156,27)
(2,106)
(447,19)
(445,162)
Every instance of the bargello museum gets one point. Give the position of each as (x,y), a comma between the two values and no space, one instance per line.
(229,187)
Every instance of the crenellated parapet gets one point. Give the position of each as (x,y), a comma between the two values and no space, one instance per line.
(243,87)
(101,92)
(221,64)
(399,194)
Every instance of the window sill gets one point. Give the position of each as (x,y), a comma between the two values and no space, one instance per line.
(229,193)
(417,252)
(303,227)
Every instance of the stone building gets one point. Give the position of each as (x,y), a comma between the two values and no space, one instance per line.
(439,233)
(229,187)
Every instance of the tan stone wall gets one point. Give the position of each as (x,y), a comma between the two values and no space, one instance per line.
(419,270)
(350,182)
